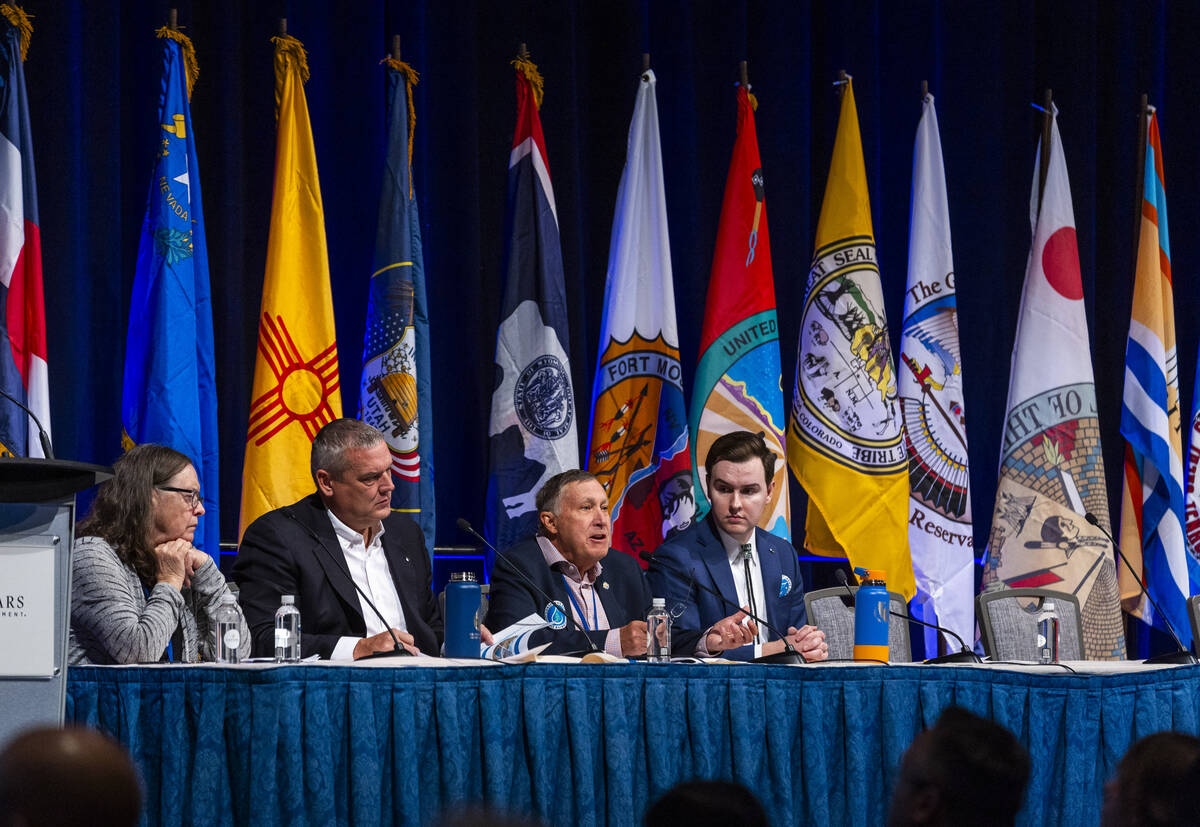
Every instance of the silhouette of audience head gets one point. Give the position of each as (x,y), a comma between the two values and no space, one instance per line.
(706,804)
(964,770)
(67,777)
(1157,783)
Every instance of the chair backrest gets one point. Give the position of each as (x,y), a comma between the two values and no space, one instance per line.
(832,611)
(1194,618)
(484,589)
(1008,623)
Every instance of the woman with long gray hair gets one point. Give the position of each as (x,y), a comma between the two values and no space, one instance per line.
(140,591)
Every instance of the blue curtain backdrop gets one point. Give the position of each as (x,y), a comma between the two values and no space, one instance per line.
(93,77)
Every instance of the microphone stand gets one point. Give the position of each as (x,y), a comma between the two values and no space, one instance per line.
(463,525)
(789,656)
(1179,657)
(966,655)
(340,564)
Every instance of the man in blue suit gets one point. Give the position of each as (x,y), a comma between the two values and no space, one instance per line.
(728,553)
(570,561)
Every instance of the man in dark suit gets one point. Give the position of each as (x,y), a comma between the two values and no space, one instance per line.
(570,560)
(728,553)
(344,534)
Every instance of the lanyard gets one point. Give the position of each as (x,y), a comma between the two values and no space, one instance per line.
(579,610)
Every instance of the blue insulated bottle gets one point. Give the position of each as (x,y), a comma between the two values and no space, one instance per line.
(871,616)
(462,616)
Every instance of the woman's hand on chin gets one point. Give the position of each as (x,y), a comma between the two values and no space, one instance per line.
(173,563)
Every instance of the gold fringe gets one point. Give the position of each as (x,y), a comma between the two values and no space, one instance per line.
(285,46)
(753,99)
(22,21)
(529,69)
(190,66)
(411,79)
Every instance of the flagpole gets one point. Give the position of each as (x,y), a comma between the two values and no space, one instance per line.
(1139,184)
(1044,161)
(395,47)
(840,83)
(924,90)
(645,62)
(522,52)
(743,76)
(283,27)
(173,19)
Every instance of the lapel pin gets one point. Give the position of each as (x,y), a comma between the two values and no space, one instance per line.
(604,584)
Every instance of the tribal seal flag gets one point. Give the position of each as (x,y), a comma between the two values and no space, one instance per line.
(931,399)
(169,394)
(532,433)
(1152,501)
(639,437)
(295,390)
(739,379)
(394,394)
(844,433)
(1051,468)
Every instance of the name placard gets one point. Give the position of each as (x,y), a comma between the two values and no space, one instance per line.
(27,609)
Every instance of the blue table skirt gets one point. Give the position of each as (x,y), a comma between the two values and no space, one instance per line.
(595,744)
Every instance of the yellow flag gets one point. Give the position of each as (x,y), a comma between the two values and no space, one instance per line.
(845,435)
(295,389)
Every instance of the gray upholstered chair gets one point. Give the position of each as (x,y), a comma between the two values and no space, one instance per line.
(832,611)
(1008,623)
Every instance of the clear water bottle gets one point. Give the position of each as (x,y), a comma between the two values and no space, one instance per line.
(1047,633)
(229,636)
(658,631)
(287,631)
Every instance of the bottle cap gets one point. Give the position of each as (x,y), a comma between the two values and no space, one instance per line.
(658,602)
(288,599)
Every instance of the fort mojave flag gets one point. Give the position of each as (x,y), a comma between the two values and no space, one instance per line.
(23,370)
(739,376)
(170,390)
(1051,467)
(931,398)
(1152,502)
(394,394)
(639,437)
(532,429)
(844,433)
(295,390)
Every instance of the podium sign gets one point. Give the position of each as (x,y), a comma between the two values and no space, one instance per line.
(27,608)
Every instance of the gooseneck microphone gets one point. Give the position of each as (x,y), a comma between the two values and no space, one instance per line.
(965,655)
(340,562)
(43,437)
(787,656)
(1181,655)
(463,525)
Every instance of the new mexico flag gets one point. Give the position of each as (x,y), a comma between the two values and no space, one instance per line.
(295,389)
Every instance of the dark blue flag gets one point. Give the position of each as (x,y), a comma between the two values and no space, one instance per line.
(170,390)
(532,427)
(395,393)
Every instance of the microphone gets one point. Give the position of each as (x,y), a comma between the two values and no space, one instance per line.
(463,525)
(966,655)
(340,562)
(43,437)
(1181,655)
(789,654)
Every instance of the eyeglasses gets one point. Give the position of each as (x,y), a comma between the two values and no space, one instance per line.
(191,495)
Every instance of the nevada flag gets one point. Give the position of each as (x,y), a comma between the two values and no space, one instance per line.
(532,427)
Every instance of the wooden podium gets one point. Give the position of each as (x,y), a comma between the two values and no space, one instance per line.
(37,528)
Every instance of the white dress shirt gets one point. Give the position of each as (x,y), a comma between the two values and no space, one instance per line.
(369,568)
(737,567)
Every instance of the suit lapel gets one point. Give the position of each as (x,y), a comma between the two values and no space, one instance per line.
(401,566)
(607,592)
(330,558)
(772,574)
(716,560)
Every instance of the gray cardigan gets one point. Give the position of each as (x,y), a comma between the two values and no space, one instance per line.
(113,621)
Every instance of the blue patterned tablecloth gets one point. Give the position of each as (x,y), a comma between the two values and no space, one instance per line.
(595,744)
